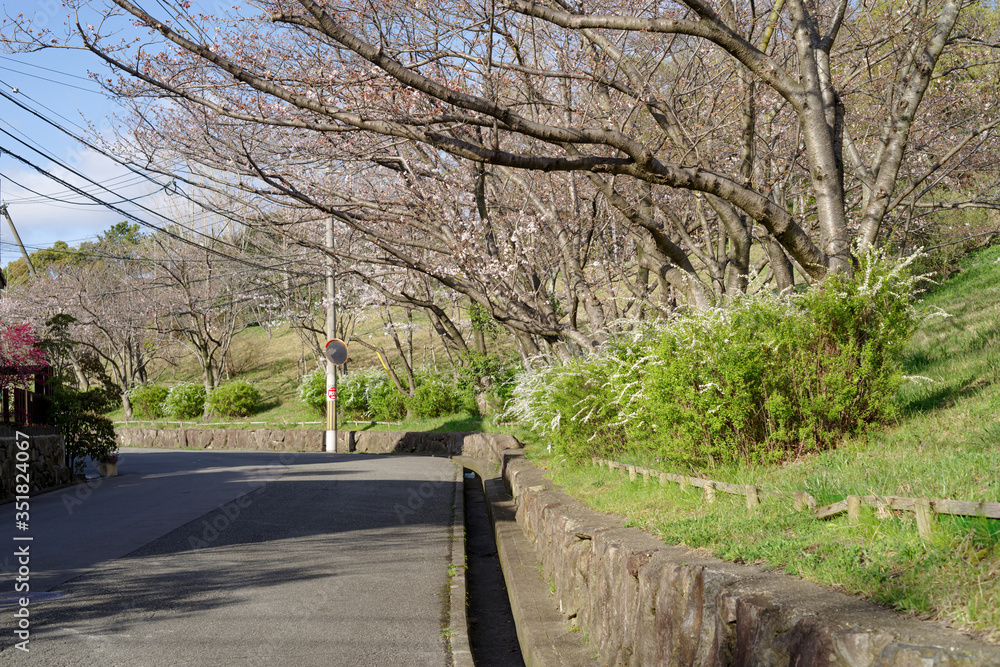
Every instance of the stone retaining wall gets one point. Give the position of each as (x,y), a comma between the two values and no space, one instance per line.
(192,438)
(47,464)
(480,445)
(642,602)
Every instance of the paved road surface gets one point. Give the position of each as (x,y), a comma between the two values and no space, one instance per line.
(238,558)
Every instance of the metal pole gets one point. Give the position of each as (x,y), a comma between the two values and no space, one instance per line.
(24,253)
(331,333)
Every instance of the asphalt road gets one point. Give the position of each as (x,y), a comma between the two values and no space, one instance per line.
(237,558)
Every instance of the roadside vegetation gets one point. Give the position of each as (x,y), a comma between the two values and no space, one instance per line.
(942,440)
(267,388)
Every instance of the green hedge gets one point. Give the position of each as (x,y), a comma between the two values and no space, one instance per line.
(147,400)
(185,400)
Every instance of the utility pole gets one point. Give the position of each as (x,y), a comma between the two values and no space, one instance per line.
(24,253)
(331,333)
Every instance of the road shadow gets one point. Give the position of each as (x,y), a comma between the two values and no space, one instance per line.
(292,533)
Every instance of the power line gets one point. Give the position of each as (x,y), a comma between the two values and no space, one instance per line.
(58,83)
(127,180)
(114,158)
(47,69)
(45,197)
(128,215)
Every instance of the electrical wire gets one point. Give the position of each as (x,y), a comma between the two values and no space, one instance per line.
(47,69)
(92,254)
(58,83)
(129,181)
(110,156)
(163,230)
(45,197)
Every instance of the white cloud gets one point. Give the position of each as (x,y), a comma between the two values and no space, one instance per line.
(41,222)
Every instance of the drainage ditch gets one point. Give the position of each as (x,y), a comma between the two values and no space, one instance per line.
(492,633)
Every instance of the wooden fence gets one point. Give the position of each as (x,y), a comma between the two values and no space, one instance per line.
(924,508)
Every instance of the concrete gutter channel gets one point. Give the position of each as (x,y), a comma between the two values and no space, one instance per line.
(461,652)
(544,635)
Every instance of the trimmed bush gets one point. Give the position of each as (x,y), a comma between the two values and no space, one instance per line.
(147,400)
(185,401)
(352,392)
(367,394)
(435,395)
(385,403)
(238,398)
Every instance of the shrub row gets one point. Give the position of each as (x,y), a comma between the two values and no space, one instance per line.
(766,379)
(371,394)
(187,400)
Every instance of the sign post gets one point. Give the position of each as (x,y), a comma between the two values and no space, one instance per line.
(336,355)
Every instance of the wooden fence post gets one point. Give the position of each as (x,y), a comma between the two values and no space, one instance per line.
(631,473)
(853,510)
(799,501)
(925,520)
(753,499)
(709,492)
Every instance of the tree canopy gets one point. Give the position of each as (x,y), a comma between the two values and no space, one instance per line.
(563,165)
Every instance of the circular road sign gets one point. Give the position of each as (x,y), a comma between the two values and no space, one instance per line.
(336,352)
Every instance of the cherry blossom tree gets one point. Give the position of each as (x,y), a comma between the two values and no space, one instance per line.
(100,299)
(560,164)
(206,296)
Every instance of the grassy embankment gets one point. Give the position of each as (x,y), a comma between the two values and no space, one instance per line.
(274,363)
(945,444)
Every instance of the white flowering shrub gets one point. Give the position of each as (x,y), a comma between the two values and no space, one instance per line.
(765,379)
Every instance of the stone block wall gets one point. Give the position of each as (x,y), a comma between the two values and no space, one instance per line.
(248,439)
(481,445)
(47,464)
(642,602)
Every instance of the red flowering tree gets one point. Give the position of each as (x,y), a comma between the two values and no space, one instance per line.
(20,355)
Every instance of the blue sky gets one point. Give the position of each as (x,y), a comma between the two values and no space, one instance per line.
(55,83)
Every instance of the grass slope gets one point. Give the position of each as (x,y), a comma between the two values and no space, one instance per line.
(275,363)
(945,444)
